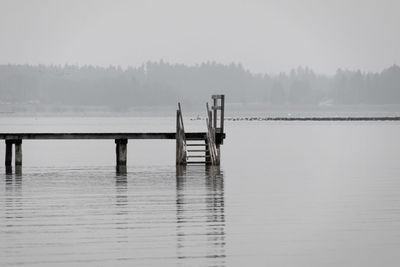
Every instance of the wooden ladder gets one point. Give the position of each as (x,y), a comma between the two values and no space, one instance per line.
(204,148)
(197,152)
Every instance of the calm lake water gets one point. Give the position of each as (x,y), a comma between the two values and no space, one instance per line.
(286,194)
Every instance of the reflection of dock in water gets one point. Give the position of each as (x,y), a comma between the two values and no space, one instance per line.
(200,213)
(13,196)
(121,205)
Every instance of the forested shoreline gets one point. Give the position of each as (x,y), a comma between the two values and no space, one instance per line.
(161,84)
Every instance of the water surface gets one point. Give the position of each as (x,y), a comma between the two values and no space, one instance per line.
(286,194)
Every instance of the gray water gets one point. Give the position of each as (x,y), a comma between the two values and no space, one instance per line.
(286,194)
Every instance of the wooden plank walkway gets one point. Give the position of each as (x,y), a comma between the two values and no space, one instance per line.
(72,136)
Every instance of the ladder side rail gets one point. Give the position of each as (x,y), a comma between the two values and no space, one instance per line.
(211,144)
(181,148)
(211,137)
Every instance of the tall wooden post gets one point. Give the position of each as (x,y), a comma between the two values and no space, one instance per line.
(18,152)
(8,157)
(222,115)
(121,151)
(219,131)
(214,111)
(180,138)
(178,147)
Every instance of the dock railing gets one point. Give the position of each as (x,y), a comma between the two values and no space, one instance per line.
(181,149)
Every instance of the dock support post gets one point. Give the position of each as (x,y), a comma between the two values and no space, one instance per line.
(18,152)
(214,111)
(8,156)
(121,151)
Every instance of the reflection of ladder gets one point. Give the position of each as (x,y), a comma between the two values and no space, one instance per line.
(201,148)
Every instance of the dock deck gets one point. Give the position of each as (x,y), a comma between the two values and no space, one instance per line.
(72,136)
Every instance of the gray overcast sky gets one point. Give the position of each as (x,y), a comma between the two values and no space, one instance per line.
(265,36)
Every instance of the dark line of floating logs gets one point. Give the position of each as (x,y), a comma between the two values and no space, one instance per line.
(315,119)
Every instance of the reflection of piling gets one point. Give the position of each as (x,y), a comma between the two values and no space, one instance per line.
(213,219)
(121,205)
(13,181)
(216,203)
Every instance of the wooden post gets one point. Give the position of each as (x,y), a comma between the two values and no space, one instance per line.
(8,157)
(121,151)
(178,148)
(8,170)
(214,110)
(222,114)
(180,138)
(18,152)
(121,170)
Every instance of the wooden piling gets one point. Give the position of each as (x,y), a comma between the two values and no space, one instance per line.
(8,156)
(222,119)
(121,170)
(178,147)
(9,169)
(18,152)
(215,104)
(181,150)
(121,151)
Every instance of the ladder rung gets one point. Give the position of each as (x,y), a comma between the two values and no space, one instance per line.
(196,162)
(198,156)
(197,150)
(195,144)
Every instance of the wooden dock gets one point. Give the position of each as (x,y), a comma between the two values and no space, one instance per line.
(204,147)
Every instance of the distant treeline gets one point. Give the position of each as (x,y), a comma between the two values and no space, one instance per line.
(161,83)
